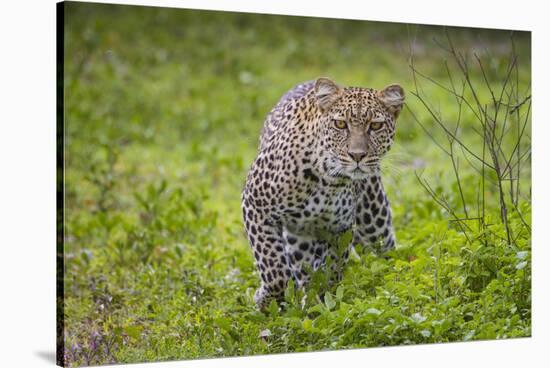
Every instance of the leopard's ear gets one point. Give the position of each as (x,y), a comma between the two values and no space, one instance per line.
(392,97)
(327,92)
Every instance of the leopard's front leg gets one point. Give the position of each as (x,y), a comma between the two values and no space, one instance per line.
(313,250)
(268,246)
(373,217)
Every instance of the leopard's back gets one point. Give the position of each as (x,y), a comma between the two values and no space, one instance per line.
(275,117)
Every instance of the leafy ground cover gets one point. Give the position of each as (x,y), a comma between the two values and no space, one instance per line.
(163,109)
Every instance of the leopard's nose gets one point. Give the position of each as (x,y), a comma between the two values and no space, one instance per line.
(357,155)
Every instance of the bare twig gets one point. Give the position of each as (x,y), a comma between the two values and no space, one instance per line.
(502,148)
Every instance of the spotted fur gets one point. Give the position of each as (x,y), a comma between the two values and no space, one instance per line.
(317,170)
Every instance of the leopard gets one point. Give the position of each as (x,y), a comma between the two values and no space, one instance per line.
(318,171)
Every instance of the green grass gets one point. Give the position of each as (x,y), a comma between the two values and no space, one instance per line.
(163,110)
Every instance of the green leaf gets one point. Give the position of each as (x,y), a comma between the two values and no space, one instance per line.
(273,308)
(522,255)
(289,291)
(344,240)
(374,311)
(86,255)
(329,301)
(319,308)
(413,292)
(133,331)
(418,318)
(376,267)
(223,323)
(521,265)
(339,292)
(307,324)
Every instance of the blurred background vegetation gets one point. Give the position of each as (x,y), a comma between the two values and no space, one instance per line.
(163,108)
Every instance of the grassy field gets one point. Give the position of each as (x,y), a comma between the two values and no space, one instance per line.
(163,109)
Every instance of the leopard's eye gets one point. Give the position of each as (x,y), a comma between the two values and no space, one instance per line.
(375,125)
(340,124)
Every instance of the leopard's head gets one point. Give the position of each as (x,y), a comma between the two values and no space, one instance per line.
(356,127)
